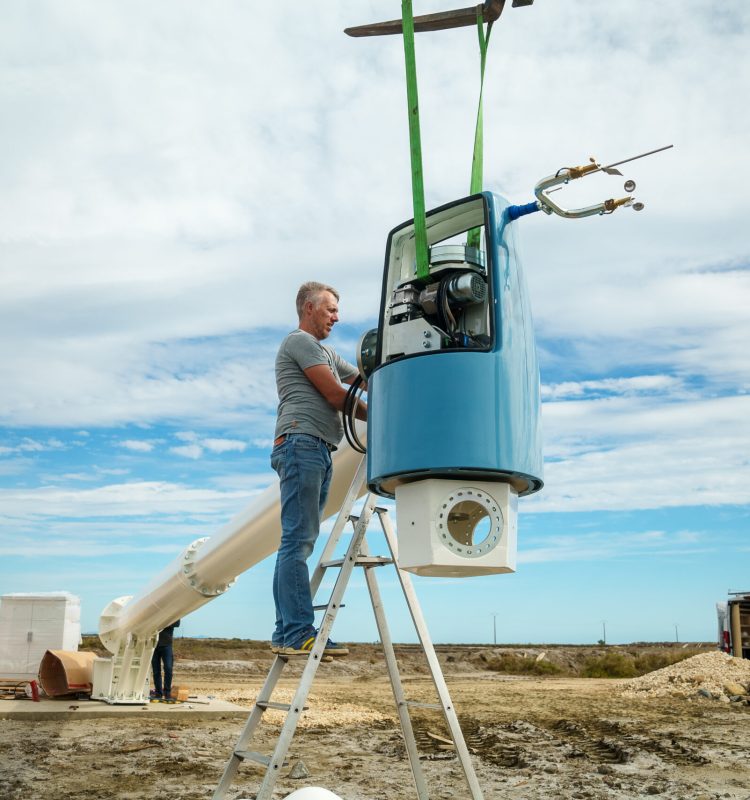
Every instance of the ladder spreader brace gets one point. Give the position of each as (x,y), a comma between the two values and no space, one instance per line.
(356,555)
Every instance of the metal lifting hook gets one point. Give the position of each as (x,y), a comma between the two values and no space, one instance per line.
(566,174)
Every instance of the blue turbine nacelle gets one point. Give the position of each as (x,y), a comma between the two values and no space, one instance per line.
(454,423)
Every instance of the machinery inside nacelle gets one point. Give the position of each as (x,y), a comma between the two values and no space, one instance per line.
(447,309)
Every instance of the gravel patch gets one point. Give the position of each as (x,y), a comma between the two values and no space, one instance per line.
(710,672)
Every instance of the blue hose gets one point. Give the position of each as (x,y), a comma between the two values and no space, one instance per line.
(514,212)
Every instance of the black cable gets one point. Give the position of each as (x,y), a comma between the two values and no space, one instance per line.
(351,401)
(352,418)
(444,315)
(350,421)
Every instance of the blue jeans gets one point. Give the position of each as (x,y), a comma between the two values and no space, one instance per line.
(303,464)
(163,654)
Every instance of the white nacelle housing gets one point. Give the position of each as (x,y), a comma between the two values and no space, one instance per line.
(456,528)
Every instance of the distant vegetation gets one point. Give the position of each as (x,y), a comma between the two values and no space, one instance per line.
(588,662)
(518,665)
(593,661)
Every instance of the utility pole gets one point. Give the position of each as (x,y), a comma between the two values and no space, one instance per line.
(604,631)
(676,634)
(494,628)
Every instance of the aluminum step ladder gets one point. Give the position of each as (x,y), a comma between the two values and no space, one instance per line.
(356,556)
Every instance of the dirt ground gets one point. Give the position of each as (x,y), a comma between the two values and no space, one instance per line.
(530,736)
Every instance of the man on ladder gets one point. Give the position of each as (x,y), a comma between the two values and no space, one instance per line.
(309,375)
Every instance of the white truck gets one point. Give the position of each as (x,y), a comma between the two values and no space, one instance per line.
(734,624)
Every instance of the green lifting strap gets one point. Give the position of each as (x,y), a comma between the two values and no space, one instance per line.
(415,144)
(477,164)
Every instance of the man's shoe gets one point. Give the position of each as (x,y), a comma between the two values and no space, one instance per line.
(301,648)
(335,649)
(276,648)
(154,695)
(304,646)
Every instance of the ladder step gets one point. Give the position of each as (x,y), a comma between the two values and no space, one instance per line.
(325,606)
(281,706)
(251,755)
(414,704)
(361,561)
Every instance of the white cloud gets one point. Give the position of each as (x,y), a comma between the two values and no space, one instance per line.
(605,546)
(77,548)
(625,453)
(27,445)
(622,386)
(137,445)
(187,450)
(197,444)
(139,498)
(68,476)
(224,445)
(117,383)
(695,322)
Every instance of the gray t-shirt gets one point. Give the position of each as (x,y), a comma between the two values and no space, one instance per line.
(302,408)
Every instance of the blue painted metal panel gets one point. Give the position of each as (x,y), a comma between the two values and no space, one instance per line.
(462,412)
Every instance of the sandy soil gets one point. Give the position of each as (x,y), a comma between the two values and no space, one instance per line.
(530,737)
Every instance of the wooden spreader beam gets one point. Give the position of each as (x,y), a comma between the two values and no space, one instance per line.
(443,20)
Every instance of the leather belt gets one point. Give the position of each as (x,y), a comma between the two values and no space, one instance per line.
(281,439)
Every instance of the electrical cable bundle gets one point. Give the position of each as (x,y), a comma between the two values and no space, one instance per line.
(348,414)
(445,314)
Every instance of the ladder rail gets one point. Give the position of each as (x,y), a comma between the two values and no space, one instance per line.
(436,672)
(230,770)
(264,696)
(402,707)
(352,494)
(313,661)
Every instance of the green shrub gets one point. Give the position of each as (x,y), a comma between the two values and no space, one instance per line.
(609,665)
(516,665)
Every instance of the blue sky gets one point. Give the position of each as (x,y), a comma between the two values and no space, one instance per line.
(174,172)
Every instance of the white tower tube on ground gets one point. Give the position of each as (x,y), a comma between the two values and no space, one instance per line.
(129,625)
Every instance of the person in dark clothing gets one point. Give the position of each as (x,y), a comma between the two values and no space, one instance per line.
(163,655)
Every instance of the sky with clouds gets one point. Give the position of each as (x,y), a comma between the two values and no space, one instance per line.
(174,170)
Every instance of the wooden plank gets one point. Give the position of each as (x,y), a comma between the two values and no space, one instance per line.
(440,21)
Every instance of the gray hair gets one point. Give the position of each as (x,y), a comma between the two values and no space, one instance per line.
(310,292)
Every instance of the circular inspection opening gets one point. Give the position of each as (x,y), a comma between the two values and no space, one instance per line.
(470,522)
